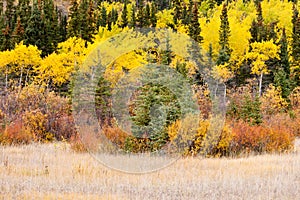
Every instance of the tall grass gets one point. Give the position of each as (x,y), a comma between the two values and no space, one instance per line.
(53,171)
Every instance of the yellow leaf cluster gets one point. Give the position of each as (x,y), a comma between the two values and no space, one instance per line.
(164,18)
(222,72)
(260,53)
(20,60)
(272,101)
(59,66)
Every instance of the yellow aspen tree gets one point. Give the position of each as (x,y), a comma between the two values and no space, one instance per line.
(25,59)
(259,54)
(5,60)
(59,66)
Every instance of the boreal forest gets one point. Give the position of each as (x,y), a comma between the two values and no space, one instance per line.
(254,45)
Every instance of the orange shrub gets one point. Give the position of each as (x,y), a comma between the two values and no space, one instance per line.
(15,133)
(34,124)
(260,138)
(115,135)
(294,98)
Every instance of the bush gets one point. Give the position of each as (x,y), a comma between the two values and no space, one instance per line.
(35,125)
(272,102)
(244,106)
(40,115)
(294,98)
(115,135)
(260,138)
(14,133)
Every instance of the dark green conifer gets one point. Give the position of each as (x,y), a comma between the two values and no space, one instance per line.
(194,26)
(224,33)
(153,17)
(132,22)
(124,17)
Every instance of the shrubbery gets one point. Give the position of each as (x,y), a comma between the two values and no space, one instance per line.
(34,114)
(253,125)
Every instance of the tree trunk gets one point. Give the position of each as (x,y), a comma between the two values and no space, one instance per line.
(260,84)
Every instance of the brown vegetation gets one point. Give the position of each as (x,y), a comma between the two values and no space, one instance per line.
(53,171)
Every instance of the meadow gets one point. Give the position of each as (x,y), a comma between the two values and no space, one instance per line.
(54,171)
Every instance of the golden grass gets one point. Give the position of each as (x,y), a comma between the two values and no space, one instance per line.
(53,171)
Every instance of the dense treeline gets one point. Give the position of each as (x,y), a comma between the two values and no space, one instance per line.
(45,24)
(253,47)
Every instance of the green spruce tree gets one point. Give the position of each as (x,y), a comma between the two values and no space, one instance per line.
(124,17)
(140,17)
(147,18)
(194,26)
(177,10)
(102,20)
(153,18)
(132,22)
(35,31)
(74,21)
(224,34)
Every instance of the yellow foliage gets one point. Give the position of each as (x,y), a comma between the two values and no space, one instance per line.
(260,53)
(181,28)
(58,67)
(128,61)
(199,137)
(272,101)
(5,58)
(295,98)
(164,18)
(20,60)
(222,72)
(34,124)
(224,142)
(281,11)
(240,17)
(103,33)
(25,56)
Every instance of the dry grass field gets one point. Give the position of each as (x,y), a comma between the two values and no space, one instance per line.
(53,171)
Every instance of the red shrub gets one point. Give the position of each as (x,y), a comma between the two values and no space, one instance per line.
(261,138)
(15,134)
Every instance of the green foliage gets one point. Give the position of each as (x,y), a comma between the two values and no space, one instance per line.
(244,107)
(194,26)
(154,108)
(74,22)
(250,111)
(102,19)
(124,16)
(224,34)
(132,23)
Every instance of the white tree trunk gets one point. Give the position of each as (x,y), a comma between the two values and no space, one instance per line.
(260,84)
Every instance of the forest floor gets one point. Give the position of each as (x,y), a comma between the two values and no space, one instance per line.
(53,171)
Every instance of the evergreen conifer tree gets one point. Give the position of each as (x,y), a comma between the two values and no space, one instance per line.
(35,31)
(63,23)
(257,30)
(147,19)
(132,22)
(296,37)
(153,17)
(102,20)
(177,10)
(224,33)
(124,17)
(194,26)
(18,34)
(74,22)
(140,17)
